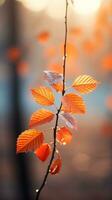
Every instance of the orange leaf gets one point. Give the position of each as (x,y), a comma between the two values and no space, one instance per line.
(64,136)
(43,151)
(43,37)
(58,87)
(84,84)
(73,103)
(40,117)
(56,166)
(29,140)
(43,95)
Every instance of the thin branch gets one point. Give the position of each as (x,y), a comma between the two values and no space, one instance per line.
(65,48)
(58,111)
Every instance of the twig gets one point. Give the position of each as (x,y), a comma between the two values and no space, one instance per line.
(58,111)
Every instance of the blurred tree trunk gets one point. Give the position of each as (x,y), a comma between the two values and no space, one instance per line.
(20,160)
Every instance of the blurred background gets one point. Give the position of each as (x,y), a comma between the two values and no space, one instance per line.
(31,40)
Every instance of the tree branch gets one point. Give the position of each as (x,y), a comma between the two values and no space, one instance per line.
(58,111)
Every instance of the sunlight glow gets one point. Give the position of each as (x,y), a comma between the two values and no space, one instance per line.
(86,7)
(56,9)
(35,5)
(2,2)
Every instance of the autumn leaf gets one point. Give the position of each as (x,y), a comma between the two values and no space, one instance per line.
(69,120)
(29,140)
(43,151)
(58,87)
(52,77)
(85,84)
(43,95)
(43,36)
(40,117)
(64,136)
(73,103)
(55,166)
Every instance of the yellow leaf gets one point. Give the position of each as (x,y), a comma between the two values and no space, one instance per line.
(40,117)
(29,140)
(43,95)
(85,84)
(73,103)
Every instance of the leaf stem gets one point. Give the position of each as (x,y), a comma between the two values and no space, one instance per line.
(58,111)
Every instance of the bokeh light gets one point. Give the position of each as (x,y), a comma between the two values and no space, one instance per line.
(86,7)
(2,2)
(35,5)
(56,9)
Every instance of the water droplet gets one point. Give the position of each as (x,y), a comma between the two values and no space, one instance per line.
(37,190)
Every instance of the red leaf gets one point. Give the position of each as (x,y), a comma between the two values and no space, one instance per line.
(43,151)
(56,166)
(64,136)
